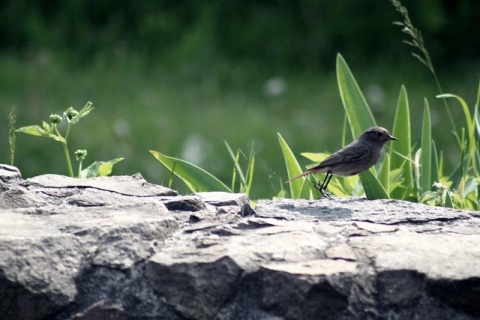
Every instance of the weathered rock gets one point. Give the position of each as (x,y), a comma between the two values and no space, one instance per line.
(198,288)
(122,248)
(185,203)
(9,173)
(228,201)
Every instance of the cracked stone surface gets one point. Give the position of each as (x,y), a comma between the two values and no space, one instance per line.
(124,248)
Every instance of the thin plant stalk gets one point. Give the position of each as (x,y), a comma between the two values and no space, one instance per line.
(65,151)
(424,56)
(11,134)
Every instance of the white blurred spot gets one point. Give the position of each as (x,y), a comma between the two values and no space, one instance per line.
(375,97)
(274,87)
(195,149)
(121,128)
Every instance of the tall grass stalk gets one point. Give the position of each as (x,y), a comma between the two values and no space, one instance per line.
(416,41)
(12,119)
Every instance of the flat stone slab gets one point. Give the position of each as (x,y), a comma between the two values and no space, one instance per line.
(123,248)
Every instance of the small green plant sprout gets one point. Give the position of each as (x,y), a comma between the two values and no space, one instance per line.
(51,130)
(80,155)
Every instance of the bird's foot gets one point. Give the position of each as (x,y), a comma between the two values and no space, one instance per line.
(326,194)
(322,191)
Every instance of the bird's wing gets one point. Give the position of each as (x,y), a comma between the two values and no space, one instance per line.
(351,153)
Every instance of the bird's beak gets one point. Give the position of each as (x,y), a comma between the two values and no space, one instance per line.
(390,137)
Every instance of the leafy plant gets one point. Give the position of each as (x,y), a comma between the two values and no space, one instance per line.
(51,131)
(401,176)
(398,174)
(408,170)
(460,189)
(359,117)
(200,180)
(245,180)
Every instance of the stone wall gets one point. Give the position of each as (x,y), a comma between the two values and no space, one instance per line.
(123,248)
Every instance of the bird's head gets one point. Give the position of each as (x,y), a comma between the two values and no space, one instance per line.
(376,135)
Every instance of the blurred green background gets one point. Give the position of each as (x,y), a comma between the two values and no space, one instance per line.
(180,77)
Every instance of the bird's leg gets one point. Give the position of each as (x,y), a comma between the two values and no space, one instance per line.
(325,184)
(317,185)
(322,188)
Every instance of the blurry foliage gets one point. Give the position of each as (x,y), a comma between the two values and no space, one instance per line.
(294,34)
(183,76)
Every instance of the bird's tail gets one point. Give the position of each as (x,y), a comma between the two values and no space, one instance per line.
(300,175)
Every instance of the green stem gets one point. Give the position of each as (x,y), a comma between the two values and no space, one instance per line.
(68,131)
(79,168)
(67,157)
(445,103)
(65,150)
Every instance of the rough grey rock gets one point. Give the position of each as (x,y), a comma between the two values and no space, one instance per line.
(123,248)
(9,173)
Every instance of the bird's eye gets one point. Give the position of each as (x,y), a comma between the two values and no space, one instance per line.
(379,134)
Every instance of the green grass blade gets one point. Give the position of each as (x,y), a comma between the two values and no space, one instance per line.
(434,171)
(250,171)
(384,177)
(236,159)
(448,201)
(477,103)
(358,112)
(299,187)
(372,186)
(426,153)
(197,179)
(477,120)
(468,119)
(401,149)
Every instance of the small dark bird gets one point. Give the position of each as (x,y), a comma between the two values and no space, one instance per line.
(353,159)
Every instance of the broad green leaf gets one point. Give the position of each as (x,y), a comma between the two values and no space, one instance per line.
(197,179)
(457,174)
(396,179)
(470,186)
(401,150)
(315,157)
(105,169)
(358,112)
(448,200)
(426,153)
(34,131)
(372,187)
(299,188)
(38,131)
(99,168)
(343,186)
